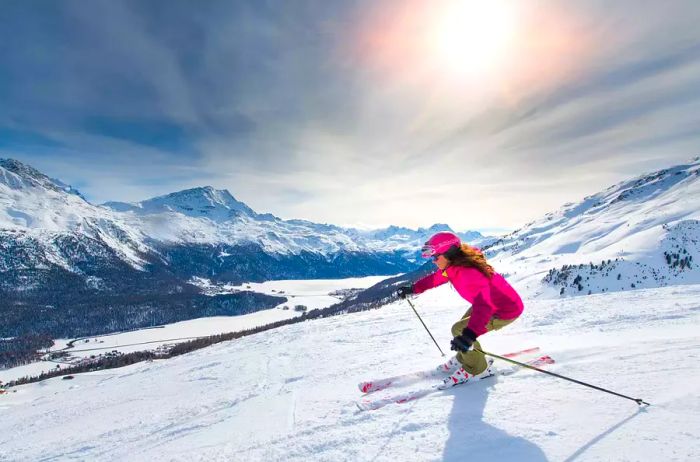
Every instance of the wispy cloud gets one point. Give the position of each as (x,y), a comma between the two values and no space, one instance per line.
(323,111)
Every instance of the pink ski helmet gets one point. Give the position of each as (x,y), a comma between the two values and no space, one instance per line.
(439,244)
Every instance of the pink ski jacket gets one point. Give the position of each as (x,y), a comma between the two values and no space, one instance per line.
(492,297)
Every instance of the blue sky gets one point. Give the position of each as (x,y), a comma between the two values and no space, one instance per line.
(363,113)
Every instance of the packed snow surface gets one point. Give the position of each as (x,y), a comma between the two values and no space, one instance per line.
(289,394)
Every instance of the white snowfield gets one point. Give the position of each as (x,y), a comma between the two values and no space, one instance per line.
(289,394)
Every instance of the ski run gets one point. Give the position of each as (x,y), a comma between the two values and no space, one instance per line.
(290,394)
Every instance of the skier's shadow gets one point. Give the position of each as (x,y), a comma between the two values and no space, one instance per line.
(471,437)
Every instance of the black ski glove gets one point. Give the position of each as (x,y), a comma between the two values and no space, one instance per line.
(464,341)
(404,291)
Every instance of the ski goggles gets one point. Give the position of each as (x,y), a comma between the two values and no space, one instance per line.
(428,251)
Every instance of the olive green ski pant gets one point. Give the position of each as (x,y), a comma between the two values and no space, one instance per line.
(473,361)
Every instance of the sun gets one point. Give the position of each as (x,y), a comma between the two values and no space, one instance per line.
(446,53)
(473,37)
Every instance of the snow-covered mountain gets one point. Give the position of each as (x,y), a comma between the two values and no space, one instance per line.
(56,246)
(639,233)
(208,215)
(31,201)
(411,240)
(205,202)
(38,214)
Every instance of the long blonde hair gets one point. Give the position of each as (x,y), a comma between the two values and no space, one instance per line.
(471,257)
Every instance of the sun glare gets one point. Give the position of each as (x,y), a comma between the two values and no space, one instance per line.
(451,52)
(472,37)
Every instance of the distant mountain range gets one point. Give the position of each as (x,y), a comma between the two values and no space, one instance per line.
(68,267)
(639,233)
(59,253)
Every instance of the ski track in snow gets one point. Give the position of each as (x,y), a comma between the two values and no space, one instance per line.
(289,394)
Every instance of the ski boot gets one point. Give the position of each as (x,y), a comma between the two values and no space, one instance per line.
(450,366)
(461,376)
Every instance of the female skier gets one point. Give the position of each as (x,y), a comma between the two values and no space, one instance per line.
(495,304)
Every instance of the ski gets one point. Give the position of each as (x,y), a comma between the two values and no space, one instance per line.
(372,386)
(374,404)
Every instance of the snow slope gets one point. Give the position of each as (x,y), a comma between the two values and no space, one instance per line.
(635,224)
(288,394)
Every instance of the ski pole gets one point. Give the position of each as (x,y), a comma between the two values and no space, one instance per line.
(426,327)
(636,400)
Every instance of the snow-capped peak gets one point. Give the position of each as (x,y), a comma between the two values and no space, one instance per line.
(632,221)
(670,193)
(201,202)
(16,175)
(31,200)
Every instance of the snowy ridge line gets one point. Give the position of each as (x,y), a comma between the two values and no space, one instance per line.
(201,215)
(640,233)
